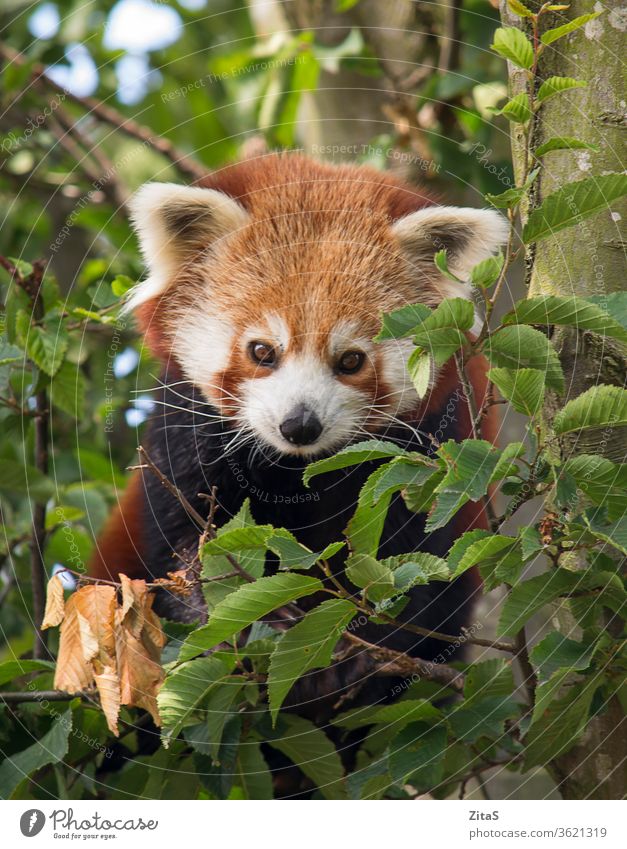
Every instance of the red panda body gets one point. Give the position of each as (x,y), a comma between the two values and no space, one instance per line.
(266,288)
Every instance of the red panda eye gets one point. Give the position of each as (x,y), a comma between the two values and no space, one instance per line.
(350,362)
(263,354)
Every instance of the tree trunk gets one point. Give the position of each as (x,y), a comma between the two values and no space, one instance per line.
(583,260)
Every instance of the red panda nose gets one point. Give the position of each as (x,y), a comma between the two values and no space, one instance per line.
(301,426)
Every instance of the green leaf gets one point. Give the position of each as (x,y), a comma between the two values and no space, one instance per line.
(470,465)
(555,651)
(417,755)
(441,263)
(353,455)
(311,750)
(51,748)
(345,5)
(415,568)
(615,534)
(600,406)
(523,388)
(307,645)
(516,110)
(246,605)
(366,524)
(252,773)
(552,35)
(121,284)
(67,390)
(239,539)
(566,310)
(507,199)
(184,690)
(369,574)
(206,737)
(419,368)
(482,717)
(572,203)
(531,595)
(397,714)
(564,143)
(479,549)
(561,724)
(523,347)
(15,477)
(487,272)
(399,474)
(441,333)
(602,481)
(420,498)
(613,303)
(519,9)
(440,342)
(555,85)
(10,669)
(512,44)
(293,555)
(402,322)
(488,679)
(46,346)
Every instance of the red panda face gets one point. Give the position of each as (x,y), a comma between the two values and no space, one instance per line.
(269,304)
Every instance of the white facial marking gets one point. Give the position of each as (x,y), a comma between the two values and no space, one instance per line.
(202,345)
(303,379)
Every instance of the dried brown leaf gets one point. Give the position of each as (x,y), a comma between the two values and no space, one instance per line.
(141,674)
(73,673)
(96,605)
(55,604)
(133,602)
(108,684)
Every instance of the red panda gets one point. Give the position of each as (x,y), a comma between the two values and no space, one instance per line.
(266,286)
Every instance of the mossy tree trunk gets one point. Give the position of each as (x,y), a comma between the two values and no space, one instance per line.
(587,259)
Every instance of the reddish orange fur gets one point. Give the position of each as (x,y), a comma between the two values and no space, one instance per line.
(120,542)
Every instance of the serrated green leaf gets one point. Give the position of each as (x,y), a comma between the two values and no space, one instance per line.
(603,482)
(556,85)
(441,263)
(561,725)
(417,755)
(67,390)
(417,567)
(402,322)
(310,749)
(307,645)
(482,717)
(523,388)
(564,143)
(479,549)
(531,595)
(507,199)
(519,9)
(512,44)
(613,303)
(366,524)
(487,272)
(10,669)
(399,474)
(46,346)
(600,406)
(488,679)
(516,110)
(246,605)
(397,714)
(353,455)
(50,748)
(375,579)
(252,773)
(470,465)
(552,35)
(614,533)
(555,651)
(419,368)
(573,203)
(184,690)
(519,347)
(566,310)
(121,284)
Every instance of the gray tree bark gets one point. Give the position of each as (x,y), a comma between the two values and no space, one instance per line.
(584,260)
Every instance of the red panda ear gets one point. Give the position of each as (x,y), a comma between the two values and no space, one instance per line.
(174,225)
(467,235)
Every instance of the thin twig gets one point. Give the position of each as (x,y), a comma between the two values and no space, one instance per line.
(17,698)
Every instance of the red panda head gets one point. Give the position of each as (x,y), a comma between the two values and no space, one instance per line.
(268,283)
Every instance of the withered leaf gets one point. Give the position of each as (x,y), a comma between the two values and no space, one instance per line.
(96,605)
(140,672)
(55,604)
(73,672)
(108,684)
